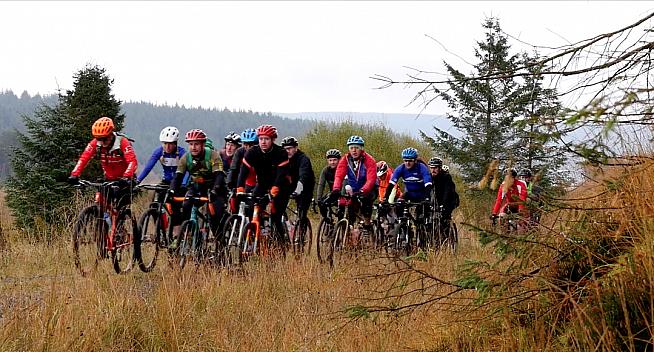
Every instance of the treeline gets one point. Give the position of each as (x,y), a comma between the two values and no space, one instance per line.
(143,122)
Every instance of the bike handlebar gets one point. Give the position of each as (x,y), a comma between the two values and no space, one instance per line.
(85,183)
(153,187)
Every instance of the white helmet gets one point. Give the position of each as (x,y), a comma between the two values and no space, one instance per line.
(169,134)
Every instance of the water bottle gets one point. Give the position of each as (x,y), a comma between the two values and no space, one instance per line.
(107,218)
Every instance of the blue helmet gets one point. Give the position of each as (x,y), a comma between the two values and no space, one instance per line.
(355,140)
(249,135)
(409,153)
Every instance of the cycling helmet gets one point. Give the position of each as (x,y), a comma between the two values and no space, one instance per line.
(355,140)
(249,136)
(196,135)
(433,162)
(169,134)
(510,170)
(382,168)
(410,154)
(233,137)
(525,173)
(102,127)
(446,168)
(333,153)
(267,130)
(289,142)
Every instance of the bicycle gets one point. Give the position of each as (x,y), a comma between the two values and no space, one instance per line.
(411,232)
(325,235)
(102,230)
(195,233)
(344,232)
(234,229)
(300,232)
(259,237)
(156,227)
(439,239)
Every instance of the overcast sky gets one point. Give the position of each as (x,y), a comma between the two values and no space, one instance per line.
(273,56)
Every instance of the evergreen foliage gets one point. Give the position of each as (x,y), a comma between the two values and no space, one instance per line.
(500,117)
(54,139)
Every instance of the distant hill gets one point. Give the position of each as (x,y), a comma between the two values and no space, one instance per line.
(409,124)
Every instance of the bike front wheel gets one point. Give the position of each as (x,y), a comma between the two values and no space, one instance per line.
(89,240)
(152,236)
(324,240)
(302,237)
(185,243)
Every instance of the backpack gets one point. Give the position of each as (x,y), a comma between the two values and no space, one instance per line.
(207,159)
(115,146)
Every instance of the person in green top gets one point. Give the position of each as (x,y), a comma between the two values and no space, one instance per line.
(207,177)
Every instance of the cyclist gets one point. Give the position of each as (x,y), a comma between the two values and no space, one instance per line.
(417,180)
(206,177)
(444,195)
(534,200)
(328,172)
(511,195)
(117,159)
(249,139)
(360,169)
(269,162)
(384,174)
(232,142)
(302,177)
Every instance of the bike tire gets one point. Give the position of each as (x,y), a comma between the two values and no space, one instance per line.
(127,239)
(152,236)
(324,240)
(339,242)
(231,235)
(403,241)
(250,242)
(453,238)
(89,241)
(303,236)
(184,250)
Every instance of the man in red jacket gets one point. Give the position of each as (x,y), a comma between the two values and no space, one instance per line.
(116,155)
(361,171)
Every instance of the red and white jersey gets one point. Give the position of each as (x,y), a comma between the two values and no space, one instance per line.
(514,196)
(117,160)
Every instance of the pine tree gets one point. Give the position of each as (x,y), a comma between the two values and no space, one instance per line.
(53,141)
(484,109)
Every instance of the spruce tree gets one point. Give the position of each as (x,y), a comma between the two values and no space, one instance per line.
(48,150)
(484,109)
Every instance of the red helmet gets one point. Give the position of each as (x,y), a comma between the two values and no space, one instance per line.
(196,135)
(267,130)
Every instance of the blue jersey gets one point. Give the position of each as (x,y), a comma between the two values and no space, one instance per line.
(168,162)
(415,180)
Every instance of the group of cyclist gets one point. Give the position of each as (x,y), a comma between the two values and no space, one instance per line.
(252,162)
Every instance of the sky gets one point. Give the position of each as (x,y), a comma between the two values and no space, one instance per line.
(274,56)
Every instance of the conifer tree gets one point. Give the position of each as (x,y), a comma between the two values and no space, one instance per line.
(48,150)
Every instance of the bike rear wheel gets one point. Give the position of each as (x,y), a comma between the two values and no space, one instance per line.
(152,236)
(126,239)
(89,240)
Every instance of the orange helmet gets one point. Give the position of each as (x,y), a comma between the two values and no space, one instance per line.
(102,127)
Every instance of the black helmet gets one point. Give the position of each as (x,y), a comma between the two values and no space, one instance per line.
(333,153)
(433,162)
(289,142)
(525,173)
(233,137)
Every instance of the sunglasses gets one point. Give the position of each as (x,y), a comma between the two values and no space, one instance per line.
(103,139)
(409,160)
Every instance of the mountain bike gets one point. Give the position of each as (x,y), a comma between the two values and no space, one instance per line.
(194,241)
(260,237)
(155,225)
(443,237)
(299,230)
(103,230)
(325,236)
(410,231)
(350,234)
(234,229)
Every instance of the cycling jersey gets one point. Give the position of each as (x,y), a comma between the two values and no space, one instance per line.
(416,180)
(361,174)
(384,182)
(227,160)
(270,168)
(444,191)
(326,179)
(201,171)
(235,169)
(168,162)
(118,160)
(514,197)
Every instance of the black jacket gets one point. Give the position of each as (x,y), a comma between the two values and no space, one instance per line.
(271,168)
(444,190)
(300,170)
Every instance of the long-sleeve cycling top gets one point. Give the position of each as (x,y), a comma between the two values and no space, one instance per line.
(271,168)
(301,170)
(204,172)
(326,179)
(416,179)
(235,170)
(514,197)
(444,189)
(168,162)
(227,160)
(118,160)
(361,174)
